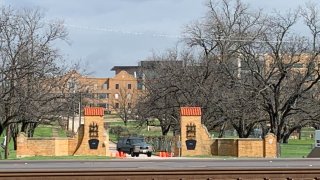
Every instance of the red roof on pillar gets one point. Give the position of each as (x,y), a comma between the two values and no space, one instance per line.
(190,111)
(93,111)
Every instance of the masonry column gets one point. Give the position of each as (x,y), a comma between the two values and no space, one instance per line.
(270,146)
(94,141)
(195,139)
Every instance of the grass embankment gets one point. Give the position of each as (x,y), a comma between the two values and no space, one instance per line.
(43,131)
(296,148)
(133,128)
(40,131)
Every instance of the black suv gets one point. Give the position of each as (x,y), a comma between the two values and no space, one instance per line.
(134,146)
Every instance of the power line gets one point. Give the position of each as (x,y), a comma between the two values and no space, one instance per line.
(135,33)
(121,31)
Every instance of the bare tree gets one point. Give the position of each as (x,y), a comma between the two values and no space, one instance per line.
(254,70)
(124,104)
(279,70)
(228,27)
(29,69)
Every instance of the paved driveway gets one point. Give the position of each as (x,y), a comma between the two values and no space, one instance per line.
(113,150)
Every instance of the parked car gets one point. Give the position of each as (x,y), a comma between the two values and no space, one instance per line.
(134,146)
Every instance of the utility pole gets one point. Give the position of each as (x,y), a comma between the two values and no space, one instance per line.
(80,106)
(73,112)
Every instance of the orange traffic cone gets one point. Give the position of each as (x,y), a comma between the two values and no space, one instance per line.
(118,154)
(121,154)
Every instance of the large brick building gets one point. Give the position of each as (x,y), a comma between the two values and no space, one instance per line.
(110,93)
(115,93)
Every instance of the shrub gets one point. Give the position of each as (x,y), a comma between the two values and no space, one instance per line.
(119,131)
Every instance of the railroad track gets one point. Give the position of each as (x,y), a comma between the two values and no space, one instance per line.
(154,174)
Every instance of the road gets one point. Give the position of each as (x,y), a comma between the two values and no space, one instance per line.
(159,164)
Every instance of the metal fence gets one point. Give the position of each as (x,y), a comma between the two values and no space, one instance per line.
(162,143)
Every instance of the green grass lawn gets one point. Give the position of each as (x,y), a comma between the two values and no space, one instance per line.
(296,148)
(62,133)
(43,131)
(12,152)
(133,128)
(40,131)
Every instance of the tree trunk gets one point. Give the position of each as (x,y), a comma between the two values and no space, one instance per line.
(14,133)
(125,121)
(285,139)
(6,150)
(165,130)
(221,132)
(1,129)
(14,143)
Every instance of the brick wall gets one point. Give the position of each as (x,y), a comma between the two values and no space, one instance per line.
(250,147)
(245,147)
(66,146)
(227,147)
(238,147)
(41,146)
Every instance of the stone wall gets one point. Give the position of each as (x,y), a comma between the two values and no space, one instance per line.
(238,147)
(226,147)
(78,145)
(42,146)
(205,145)
(248,147)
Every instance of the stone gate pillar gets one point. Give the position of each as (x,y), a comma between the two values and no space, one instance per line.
(94,140)
(195,139)
(270,146)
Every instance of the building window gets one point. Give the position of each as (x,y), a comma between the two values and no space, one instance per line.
(297,65)
(103,105)
(102,96)
(129,86)
(117,105)
(139,86)
(71,84)
(105,86)
(116,96)
(117,86)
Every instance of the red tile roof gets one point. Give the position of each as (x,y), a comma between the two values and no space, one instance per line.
(93,111)
(190,111)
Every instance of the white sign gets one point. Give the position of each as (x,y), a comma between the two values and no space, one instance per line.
(317,138)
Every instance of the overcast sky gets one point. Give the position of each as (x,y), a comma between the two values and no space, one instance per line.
(107,33)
